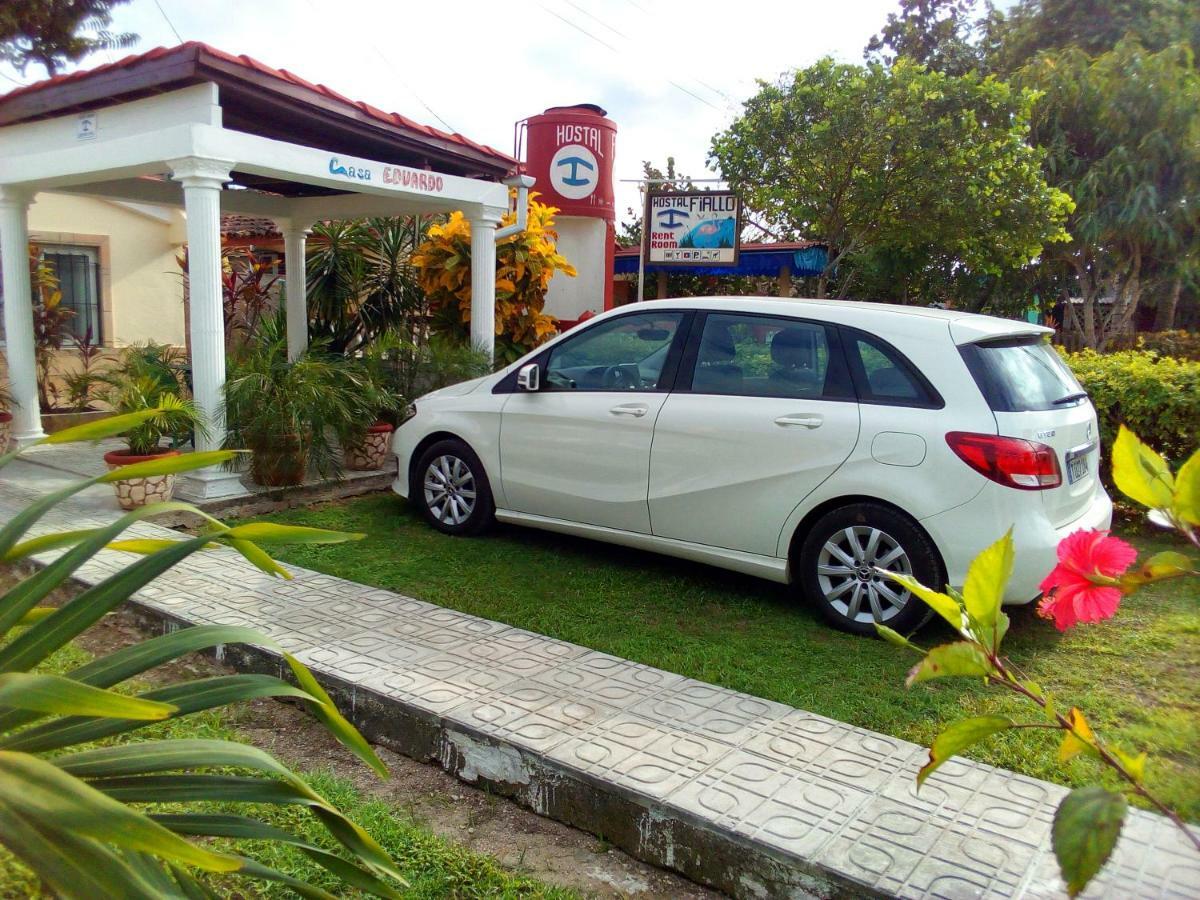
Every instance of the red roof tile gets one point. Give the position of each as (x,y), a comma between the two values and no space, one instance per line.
(394,119)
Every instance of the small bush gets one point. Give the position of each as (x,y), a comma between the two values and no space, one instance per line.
(1180,343)
(1156,396)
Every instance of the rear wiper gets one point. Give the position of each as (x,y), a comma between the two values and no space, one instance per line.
(1071,398)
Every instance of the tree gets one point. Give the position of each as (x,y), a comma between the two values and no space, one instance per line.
(55,32)
(525,263)
(1122,133)
(1093,26)
(903,159)
(936,33)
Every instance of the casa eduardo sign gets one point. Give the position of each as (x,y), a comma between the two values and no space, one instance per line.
(692,228)
(399,176)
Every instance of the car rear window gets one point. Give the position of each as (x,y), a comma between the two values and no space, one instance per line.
(1020,374)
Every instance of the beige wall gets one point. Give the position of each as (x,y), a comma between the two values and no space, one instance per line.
(141,293)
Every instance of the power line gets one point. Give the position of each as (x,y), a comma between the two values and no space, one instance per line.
(609,46)
(400,77)
(170,24)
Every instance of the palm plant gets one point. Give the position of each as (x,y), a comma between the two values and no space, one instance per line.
(406,369)
(361,282)
(292,412)
(88,818)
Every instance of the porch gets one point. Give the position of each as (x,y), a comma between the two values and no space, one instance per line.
(194,128)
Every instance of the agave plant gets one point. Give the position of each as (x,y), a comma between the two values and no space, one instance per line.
(86,817)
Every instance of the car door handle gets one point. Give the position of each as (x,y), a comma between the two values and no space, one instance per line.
(637,410)
(804,420)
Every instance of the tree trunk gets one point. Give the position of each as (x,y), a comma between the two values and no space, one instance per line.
(1164,319)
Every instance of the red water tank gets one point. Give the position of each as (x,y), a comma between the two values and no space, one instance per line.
(570,150)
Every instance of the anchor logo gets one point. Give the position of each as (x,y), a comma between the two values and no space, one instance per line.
(667,219)
(575,162)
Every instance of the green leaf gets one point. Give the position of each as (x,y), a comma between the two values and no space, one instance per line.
(189,696)
(73,866)
(945,606)
(1086,827)
(895,637)
(326,712)
(1187,491)
(259,558)
(1140,473)
(1135,765)
(39,641)
(137,658)
(247,829)
(958,737)
(46,797)
(98,429)
(1162,565)
(960,659)
(46,542)
(983,591)
(168,465)
(61,696)
(28,591)
(270,533)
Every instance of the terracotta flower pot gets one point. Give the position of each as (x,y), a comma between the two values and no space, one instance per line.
(135,492)
(281,462)
(5,430)
(371,451)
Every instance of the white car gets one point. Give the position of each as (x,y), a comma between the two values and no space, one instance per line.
(807,442)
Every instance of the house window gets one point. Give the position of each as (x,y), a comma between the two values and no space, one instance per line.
(78,271)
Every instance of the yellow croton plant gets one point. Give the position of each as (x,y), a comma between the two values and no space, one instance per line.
(525,263)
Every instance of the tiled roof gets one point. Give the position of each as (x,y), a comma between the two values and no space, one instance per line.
(748,247)
(248,226)
(248,62)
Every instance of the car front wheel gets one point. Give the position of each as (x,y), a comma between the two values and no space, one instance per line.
(840,562)
(451,489)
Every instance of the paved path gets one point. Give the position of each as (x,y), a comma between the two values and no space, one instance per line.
(754,797)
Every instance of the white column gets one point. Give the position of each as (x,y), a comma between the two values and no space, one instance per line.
(296,299)
(18,315)
(202,181)
(483,280)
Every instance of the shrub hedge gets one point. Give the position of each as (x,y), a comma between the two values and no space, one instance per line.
(1180,343)
(1156,396)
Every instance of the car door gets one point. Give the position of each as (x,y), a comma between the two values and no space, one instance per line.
(579,448)
(762,413)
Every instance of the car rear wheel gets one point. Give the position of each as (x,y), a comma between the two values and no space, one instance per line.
(839,564)
(451,489)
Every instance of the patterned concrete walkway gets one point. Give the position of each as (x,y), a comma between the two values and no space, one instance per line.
(751,796)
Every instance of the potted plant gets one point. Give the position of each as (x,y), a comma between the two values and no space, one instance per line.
(290,413)
(179,418)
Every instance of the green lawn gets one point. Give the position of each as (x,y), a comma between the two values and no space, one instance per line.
(1136,677)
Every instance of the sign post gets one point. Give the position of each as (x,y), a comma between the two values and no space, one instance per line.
(692,228)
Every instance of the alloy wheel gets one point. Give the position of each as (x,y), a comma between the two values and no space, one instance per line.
(848,577)
(450,490)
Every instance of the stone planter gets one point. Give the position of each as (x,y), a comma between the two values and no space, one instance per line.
(5,430)
(281,463)
(371,452)
(135,492)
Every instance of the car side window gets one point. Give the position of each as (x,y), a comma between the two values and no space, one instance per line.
(627,353)
(886,376)
(763,356)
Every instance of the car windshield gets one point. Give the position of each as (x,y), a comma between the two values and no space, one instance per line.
(1022,374)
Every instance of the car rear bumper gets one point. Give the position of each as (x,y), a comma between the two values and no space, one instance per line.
(963,532)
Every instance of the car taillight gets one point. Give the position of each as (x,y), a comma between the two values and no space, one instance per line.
(1012,462)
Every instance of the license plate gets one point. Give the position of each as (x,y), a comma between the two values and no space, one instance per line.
(1077,468)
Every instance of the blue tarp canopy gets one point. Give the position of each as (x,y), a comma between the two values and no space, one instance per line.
(754,259)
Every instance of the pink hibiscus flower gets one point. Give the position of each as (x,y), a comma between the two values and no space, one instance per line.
(1083,586)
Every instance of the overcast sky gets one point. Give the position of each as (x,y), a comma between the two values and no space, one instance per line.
(669,74)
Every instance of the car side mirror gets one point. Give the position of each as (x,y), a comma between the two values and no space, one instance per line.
(529,378)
